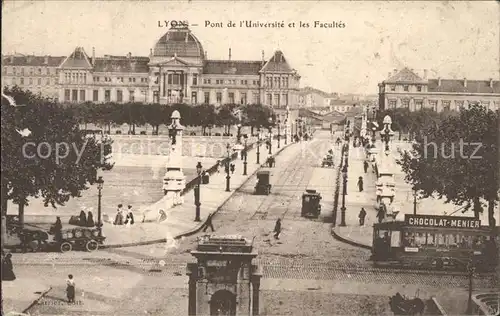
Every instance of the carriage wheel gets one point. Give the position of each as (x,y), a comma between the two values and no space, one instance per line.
(92,245)
(66,246)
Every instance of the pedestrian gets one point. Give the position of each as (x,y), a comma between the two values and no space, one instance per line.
(209,223)
(83,219)
(362,215)
(58,229)
(119,215)
(90,219)
(380,214)
(365,165)
(232,168)
(130,216)
(162,216)
(218,165)
(8,268)
(360,184)
(70,289)
(277,229)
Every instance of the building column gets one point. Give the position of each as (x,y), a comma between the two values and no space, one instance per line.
(255,294)
(192,296)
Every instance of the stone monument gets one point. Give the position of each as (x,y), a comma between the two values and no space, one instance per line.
(174,180)
(223,281)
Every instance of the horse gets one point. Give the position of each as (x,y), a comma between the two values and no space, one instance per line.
(403,306)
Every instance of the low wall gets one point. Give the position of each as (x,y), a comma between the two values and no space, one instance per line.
(432,307)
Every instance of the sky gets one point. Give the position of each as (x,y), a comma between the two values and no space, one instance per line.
(452,39)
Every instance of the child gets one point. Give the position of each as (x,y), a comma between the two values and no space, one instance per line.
(70,289)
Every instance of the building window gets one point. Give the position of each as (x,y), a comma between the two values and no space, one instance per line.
(207,97)
(392,104)
(459,105)
(31,71)
(48,81)
(169,78)
(277,82)
(217,81)
(219,97)
(39,81)
(82,95)
(5,70)
(419,88)
(47,71)
(285,99)
(39,71)
(446,105)
(66,95)
(156,96)
(194,98)
(269,99)
(268,82)
(119,95)
(74,95)
(231,97)
(405,103)
(31,81)
(95,95)
(14,81)
(174,79)
(418,105)
(277,98)
(207,81)
(406,88)
(393,88)
(131,96)
(243,98)
(169,93)
(433,104)
(256,99)
(195,79)
(107,95)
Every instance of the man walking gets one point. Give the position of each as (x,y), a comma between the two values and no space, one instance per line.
(362,215)
(360,184)
(365,165)
(277,229)
(209,223)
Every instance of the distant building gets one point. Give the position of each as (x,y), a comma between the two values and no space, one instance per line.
(405,89)
(177,70)
(39,74)
(314,98)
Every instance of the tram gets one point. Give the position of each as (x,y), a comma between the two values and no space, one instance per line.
(434,242)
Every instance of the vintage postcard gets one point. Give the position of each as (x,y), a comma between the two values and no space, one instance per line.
(250,157)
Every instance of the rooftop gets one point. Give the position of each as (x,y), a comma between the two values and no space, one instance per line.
(178,42)
(32,60)
(277,63)
(455,85)
(232,67)
(122,64)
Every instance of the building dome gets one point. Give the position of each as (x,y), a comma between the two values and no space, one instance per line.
(180,42)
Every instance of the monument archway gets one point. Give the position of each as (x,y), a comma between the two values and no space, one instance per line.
(223,302)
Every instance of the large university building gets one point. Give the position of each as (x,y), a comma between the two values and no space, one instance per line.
(405,89)
(177,70)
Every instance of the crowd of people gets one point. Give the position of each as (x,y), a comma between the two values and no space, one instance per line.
(124,217)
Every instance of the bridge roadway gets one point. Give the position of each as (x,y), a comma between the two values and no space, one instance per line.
(306,267)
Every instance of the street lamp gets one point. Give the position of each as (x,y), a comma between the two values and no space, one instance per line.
(238,134)
(258,146)
(199,168)
(414,201)
(270,136)
(228,176)
(246,153)
(279,132)
(470,269)
(344,192)
(100,184)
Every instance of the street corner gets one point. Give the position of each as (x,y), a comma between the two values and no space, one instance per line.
(22,293)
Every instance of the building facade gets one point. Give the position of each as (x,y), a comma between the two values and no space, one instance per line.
(313,98)
(39,74)
(405,89)
(177,70)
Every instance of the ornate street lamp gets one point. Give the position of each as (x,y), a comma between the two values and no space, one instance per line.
(238,134)
(279,133)
(100,184)
(258,145)
(197,202)
(470,269)
(344,192)
(387,132)
(228,176)
(270,136)
(246,153)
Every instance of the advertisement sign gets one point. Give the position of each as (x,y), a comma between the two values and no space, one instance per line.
(441,221)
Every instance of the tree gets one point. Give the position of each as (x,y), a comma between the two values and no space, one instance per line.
(257,115)
(56,161)
(204,116)
(457,158)
(226,118)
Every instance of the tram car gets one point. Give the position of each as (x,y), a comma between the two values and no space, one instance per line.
(434,242)
(311,206)
(42,237)
(263,187)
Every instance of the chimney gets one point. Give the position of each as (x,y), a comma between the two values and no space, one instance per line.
(229,54)
(46,61)
(425,73)
(491,83)
(263,60)
(439,81)
(465,82)
(129,55)
(93,56)
(150,52)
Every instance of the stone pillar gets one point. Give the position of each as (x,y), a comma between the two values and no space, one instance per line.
(256,276)
(174,180)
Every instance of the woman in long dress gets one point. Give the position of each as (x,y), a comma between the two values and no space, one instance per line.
(83,219)
(119,215)
(130,216)
(8,269)
(58,229)
(90,219)
(70,289)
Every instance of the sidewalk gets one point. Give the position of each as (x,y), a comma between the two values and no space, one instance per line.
(352,233)
(19,295)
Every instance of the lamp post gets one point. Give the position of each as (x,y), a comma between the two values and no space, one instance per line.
(470,269)
(258,146)
(387,131)
(414,201)
(228,176)
(279,133)
(344,191)
(197,202)
(238,134)
(245,161)
(270,136)
(100,184)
